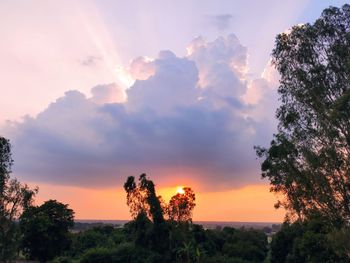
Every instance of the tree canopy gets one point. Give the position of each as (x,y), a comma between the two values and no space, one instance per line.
(45,230)
(14,198)
(142,198)
(308,161)
(181,205)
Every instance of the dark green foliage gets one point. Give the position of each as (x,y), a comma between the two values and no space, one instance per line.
(45,230)
(63,259)
(14,198)
(102,236)
(98,254)
(185,243)
(178,240)
(224,259)
(249,245)
(307,241)
(339,241)
(5,165)
(140,230)
(9,238)
(149,226)
(123,253)
(308,161)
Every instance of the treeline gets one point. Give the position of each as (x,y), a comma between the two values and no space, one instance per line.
(184,243)
(307,164)
(159,232)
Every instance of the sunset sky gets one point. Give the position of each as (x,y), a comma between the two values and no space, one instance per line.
(95,91)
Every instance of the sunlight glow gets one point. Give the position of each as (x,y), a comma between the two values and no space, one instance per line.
(124,77)
(180,190)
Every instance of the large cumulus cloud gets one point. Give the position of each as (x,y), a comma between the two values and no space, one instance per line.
(191,119)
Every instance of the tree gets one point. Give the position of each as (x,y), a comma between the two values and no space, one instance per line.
(145,205)
(142,198)
(14,198)
(45,230)
(308,161)
(307,241)
(181,206)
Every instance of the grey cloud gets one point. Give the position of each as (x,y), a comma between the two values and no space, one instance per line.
(173,85)
(90,61)
(221,22)
(169,127)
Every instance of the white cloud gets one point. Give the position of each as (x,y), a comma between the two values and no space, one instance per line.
(162,128)
(222,65)
(108,93)
(141,68)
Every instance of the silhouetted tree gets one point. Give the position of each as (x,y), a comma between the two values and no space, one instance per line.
(45,230)
(309,158)
(14,198)
(145,205)
(181,206)
(142,198)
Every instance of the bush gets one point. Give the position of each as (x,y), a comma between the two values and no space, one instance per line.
(125,252)
(99,254)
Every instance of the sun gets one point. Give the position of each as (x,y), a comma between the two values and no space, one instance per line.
(180,190)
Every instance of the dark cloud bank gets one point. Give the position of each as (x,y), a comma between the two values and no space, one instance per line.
(188,119)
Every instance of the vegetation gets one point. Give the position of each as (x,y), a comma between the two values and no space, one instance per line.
(307,162)
(14,198)
(181,206)
(158,233)
(45,230)
(185,243)
(309,158)
(177,239)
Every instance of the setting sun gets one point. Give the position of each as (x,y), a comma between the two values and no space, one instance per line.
(180,190)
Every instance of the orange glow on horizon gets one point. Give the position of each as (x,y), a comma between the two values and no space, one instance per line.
(253,203)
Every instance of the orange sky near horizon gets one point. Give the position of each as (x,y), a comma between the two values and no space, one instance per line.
(253,203)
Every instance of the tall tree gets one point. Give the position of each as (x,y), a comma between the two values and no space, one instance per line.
(181,205)
(45,230)
(14,198)
(142,198)
(145,205)
(308,161)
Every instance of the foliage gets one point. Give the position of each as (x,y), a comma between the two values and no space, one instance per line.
(181,206)
(14,198)
(142,198)
(339,240)
(306,241)
(178,240)
(308,160)
(101,236)
(123,253)
(45,230)
(140,230)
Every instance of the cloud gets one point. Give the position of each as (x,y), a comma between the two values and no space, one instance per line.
(108,93)
(90,61)
(141,68)
(221,22)
(173,85)
(222,66)
(186,122)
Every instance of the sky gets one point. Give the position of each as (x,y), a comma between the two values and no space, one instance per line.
(95,91)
